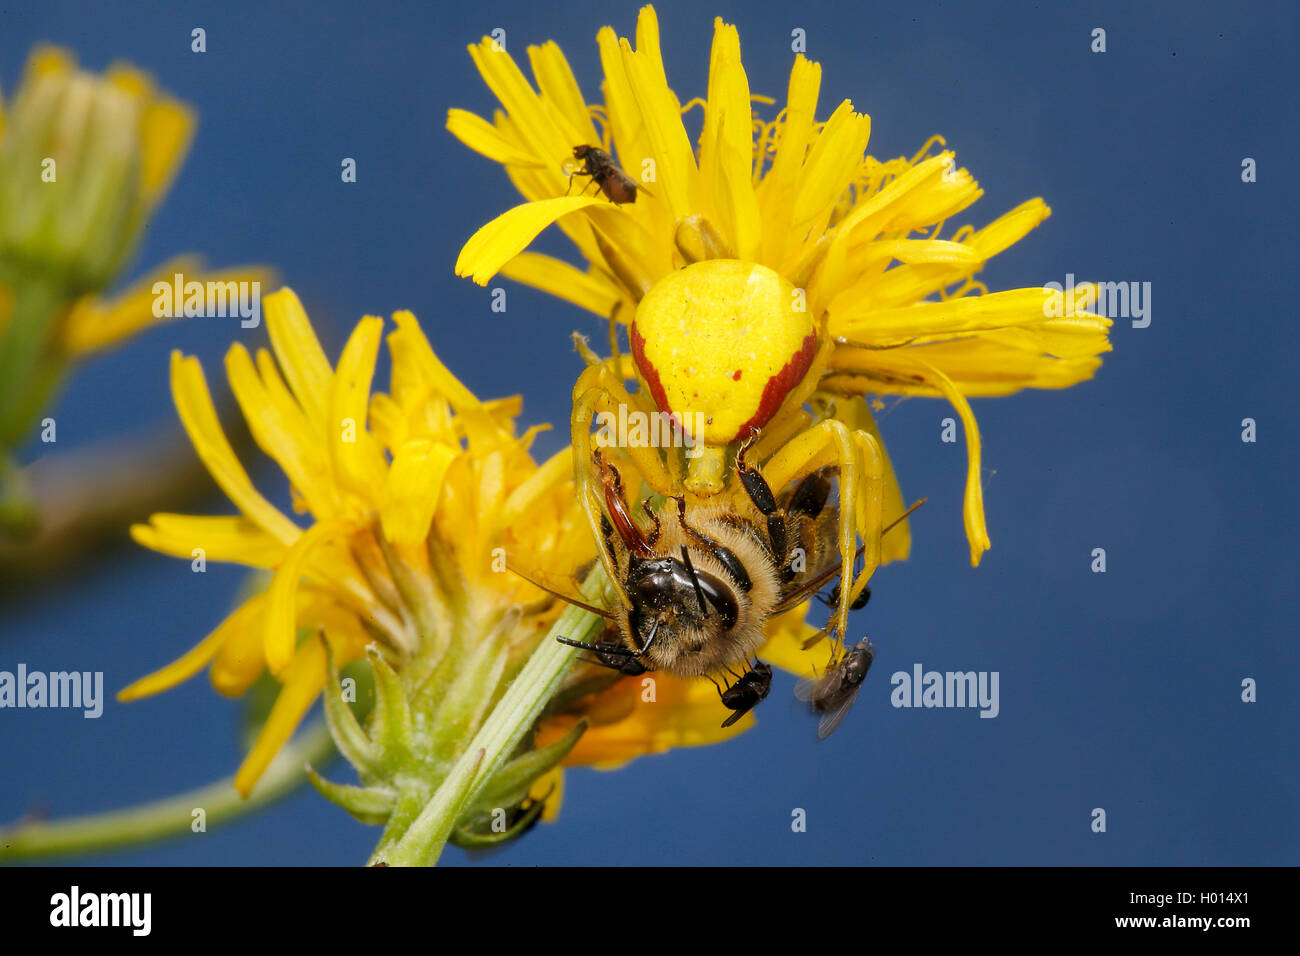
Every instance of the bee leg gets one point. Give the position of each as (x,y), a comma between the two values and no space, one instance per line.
(810,496)
(861,474)
(723,555)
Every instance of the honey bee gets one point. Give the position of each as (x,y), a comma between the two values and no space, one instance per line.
(700,584)
(832,694)
(617,185)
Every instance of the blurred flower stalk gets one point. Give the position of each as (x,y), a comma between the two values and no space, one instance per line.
(84,160)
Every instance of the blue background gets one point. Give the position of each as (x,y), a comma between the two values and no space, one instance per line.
(1119,691)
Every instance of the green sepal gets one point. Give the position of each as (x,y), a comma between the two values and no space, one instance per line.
(509,786)
(468,838)
(390,720)
(346,731)
(368,804)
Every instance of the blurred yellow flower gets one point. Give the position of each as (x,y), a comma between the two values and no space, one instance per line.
(84,161)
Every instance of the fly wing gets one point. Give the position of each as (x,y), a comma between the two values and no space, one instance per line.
(813,689)
(832,718)
(735,717)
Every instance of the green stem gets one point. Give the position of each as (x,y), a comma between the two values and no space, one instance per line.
(172,816)
(512,718)
(27,376)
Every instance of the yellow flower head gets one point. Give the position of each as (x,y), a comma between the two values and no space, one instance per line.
(798,202)
(85,160)
(418,499)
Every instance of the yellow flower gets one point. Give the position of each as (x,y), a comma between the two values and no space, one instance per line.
(860,238)
(417,499)
(85,161)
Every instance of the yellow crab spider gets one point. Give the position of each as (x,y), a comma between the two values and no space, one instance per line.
(728,352)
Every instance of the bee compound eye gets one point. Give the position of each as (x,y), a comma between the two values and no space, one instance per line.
(720,597)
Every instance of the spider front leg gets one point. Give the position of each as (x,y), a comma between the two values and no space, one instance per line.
(599,392)
(861,466)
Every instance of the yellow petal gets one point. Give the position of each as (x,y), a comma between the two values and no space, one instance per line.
(299,353)
(412,489)
(587,290)
(726,146)
(358,463)
(409,345)
(836,153)
(95,324)
(557,84)
(786,635)
(166,130)
(1009,229)
(222,538)
(281,625)
(665,136)
(556,472)
(482,137)
(510,233)
(534,124)
(194,660)
(242,659)
(778,188)
(973,509)
(549,787)
(684,713)
(303,680)
(283,437)
(194,405)
(970,313)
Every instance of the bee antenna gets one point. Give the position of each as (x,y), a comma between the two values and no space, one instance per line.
(699,591)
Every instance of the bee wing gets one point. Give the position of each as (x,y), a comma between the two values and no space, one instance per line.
(564,587)
(832,718)
(814,584)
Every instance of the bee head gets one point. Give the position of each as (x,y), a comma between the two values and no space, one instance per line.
(667,587)
(675,608)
